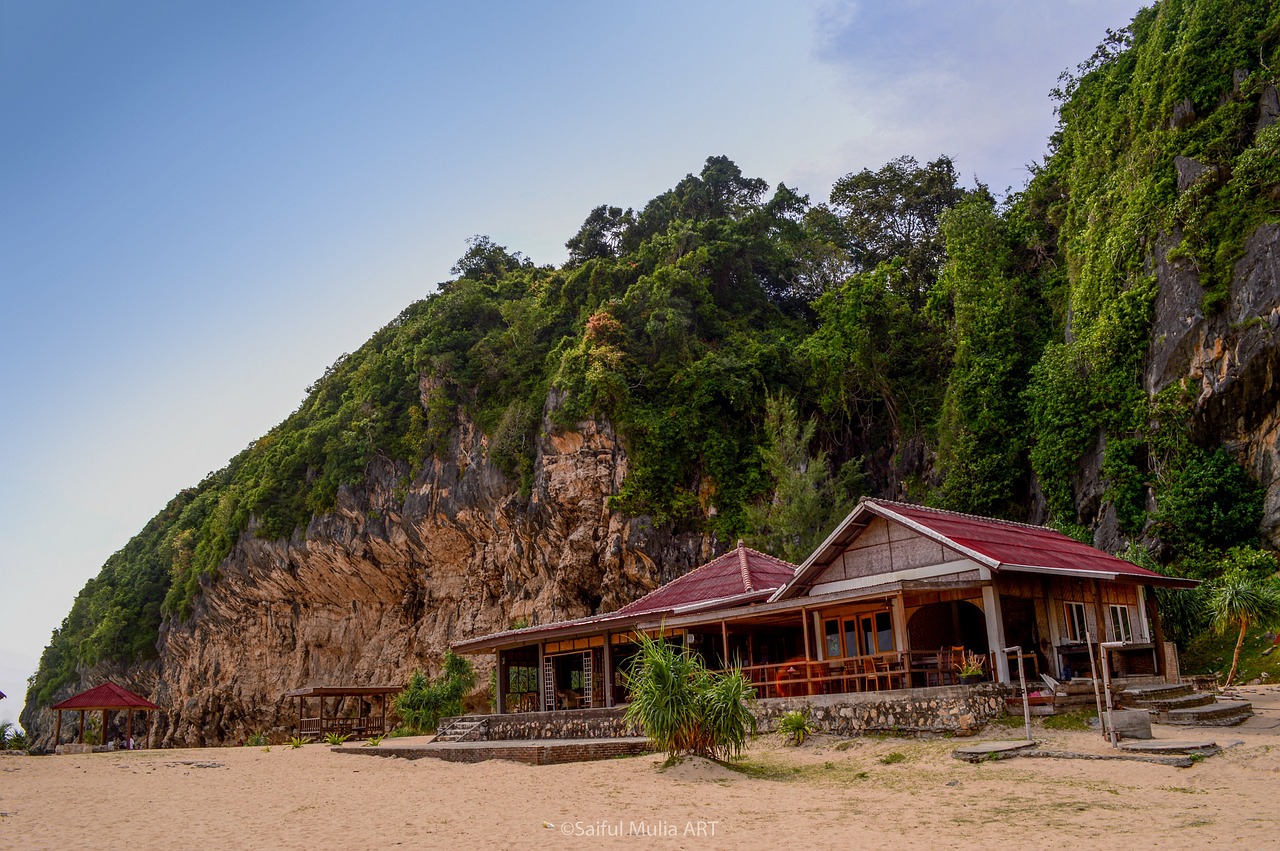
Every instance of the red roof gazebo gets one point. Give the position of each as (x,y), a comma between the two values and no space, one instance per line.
(104,698)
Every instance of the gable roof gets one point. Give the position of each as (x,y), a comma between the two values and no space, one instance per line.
(1000,545)
(106,696)
(739,571)
(739,577)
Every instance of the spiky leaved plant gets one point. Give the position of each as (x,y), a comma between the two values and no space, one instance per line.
(683,707)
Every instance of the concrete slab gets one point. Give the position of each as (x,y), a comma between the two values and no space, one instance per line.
(1168,747)
(528,751)
(986,750)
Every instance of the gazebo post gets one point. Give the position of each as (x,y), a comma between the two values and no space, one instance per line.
(57,735)
(80,739)
(128,730)
(384,714)
(104,729)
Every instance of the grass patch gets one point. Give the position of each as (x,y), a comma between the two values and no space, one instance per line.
(1211,654)
(893,758)
(1077,722)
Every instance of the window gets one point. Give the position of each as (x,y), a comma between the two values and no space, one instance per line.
(832,631)
(1077,625)
(1120,624)
(884,632)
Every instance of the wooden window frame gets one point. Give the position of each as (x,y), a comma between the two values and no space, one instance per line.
(1077,630)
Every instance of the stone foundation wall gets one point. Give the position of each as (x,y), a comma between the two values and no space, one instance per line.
(946,709)
(570,724)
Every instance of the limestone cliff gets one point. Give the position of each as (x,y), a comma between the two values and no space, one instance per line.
(381,585)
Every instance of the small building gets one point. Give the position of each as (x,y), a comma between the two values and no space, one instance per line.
(895,598)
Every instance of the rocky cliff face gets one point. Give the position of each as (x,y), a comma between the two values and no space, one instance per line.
(401,568)
(1229,361)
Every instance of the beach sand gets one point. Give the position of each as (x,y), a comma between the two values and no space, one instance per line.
(831,793)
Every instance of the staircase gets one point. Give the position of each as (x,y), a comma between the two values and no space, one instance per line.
(462,729)
(1179,704)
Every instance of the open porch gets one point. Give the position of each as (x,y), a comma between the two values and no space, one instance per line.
(353,714)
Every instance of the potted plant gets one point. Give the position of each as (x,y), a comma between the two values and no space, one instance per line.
(970,667)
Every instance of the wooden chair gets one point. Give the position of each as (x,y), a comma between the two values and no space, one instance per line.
(871,676)
(888,673)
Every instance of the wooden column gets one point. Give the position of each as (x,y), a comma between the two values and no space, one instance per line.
(128,730)
(320,732)
(808,669)
(57,735)
(103,734)
(724,638)
(499,684)
(1100,616)
(608,669)
(384,714)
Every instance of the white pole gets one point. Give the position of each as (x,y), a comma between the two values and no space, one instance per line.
(1106,681)
(1093,675)
(1022,681)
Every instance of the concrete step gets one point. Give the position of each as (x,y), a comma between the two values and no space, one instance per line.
(1225,713)
(1146,694)
(458,730)
(1186,701)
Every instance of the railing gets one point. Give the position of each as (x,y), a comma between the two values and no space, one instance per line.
(877,672)
(358,727)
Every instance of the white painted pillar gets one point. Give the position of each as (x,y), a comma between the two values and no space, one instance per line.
(995,632)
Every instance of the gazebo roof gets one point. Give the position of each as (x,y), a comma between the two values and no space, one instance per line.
(343,691)
(106,696)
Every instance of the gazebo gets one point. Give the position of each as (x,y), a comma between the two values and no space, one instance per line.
(363,725)
(104,698)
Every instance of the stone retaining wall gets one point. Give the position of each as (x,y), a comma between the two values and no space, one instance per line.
(945,709)
(570,724)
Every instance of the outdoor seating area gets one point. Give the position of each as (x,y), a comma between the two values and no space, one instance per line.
(353,710)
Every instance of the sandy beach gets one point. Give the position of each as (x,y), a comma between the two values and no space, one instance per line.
(831,793)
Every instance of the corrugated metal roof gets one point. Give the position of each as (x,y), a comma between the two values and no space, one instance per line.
(739,577)
(738,571)
(1014,544)
(106,696)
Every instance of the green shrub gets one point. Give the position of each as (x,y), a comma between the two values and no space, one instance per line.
(795,727)
(425,701)
(335,738)
(256,740)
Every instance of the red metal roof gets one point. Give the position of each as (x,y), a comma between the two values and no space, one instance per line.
(106,696)
(739,571)
(739,577)
(1006,543)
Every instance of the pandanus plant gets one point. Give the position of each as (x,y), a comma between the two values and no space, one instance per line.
(684,708)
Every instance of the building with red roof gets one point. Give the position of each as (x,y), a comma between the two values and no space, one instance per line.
(896,597)
(104,698)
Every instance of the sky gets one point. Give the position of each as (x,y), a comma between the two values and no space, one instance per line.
(203,205)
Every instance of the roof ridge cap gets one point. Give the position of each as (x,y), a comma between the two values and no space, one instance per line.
(743,567)
(890,503)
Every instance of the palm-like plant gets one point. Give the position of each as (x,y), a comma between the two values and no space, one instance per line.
(683,707)
(1240,600)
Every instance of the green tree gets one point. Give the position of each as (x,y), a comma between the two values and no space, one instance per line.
(1238,600)
(800,508)
(895,213)
(424,702)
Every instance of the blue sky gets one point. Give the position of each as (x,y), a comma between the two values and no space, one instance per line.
(202,205)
